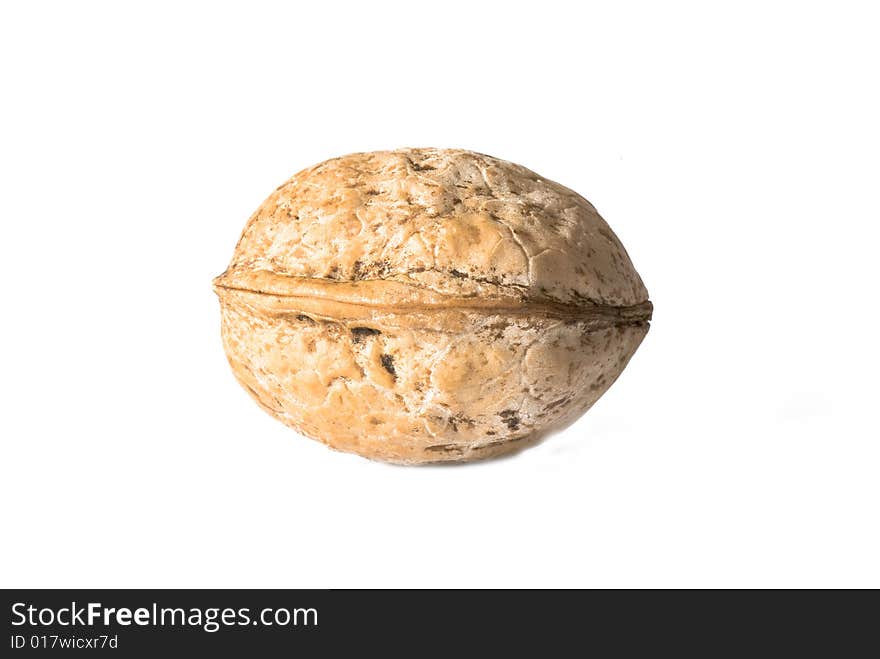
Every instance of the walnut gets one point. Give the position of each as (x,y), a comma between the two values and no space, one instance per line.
(427,305)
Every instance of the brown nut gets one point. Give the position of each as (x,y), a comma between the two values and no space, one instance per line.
(428,305)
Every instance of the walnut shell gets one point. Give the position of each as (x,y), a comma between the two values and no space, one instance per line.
(427,305)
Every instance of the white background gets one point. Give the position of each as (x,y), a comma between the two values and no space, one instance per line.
(733,149)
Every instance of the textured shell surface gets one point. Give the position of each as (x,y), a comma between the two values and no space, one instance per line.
(426,305)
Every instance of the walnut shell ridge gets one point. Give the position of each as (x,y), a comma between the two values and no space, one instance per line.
(428,305)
